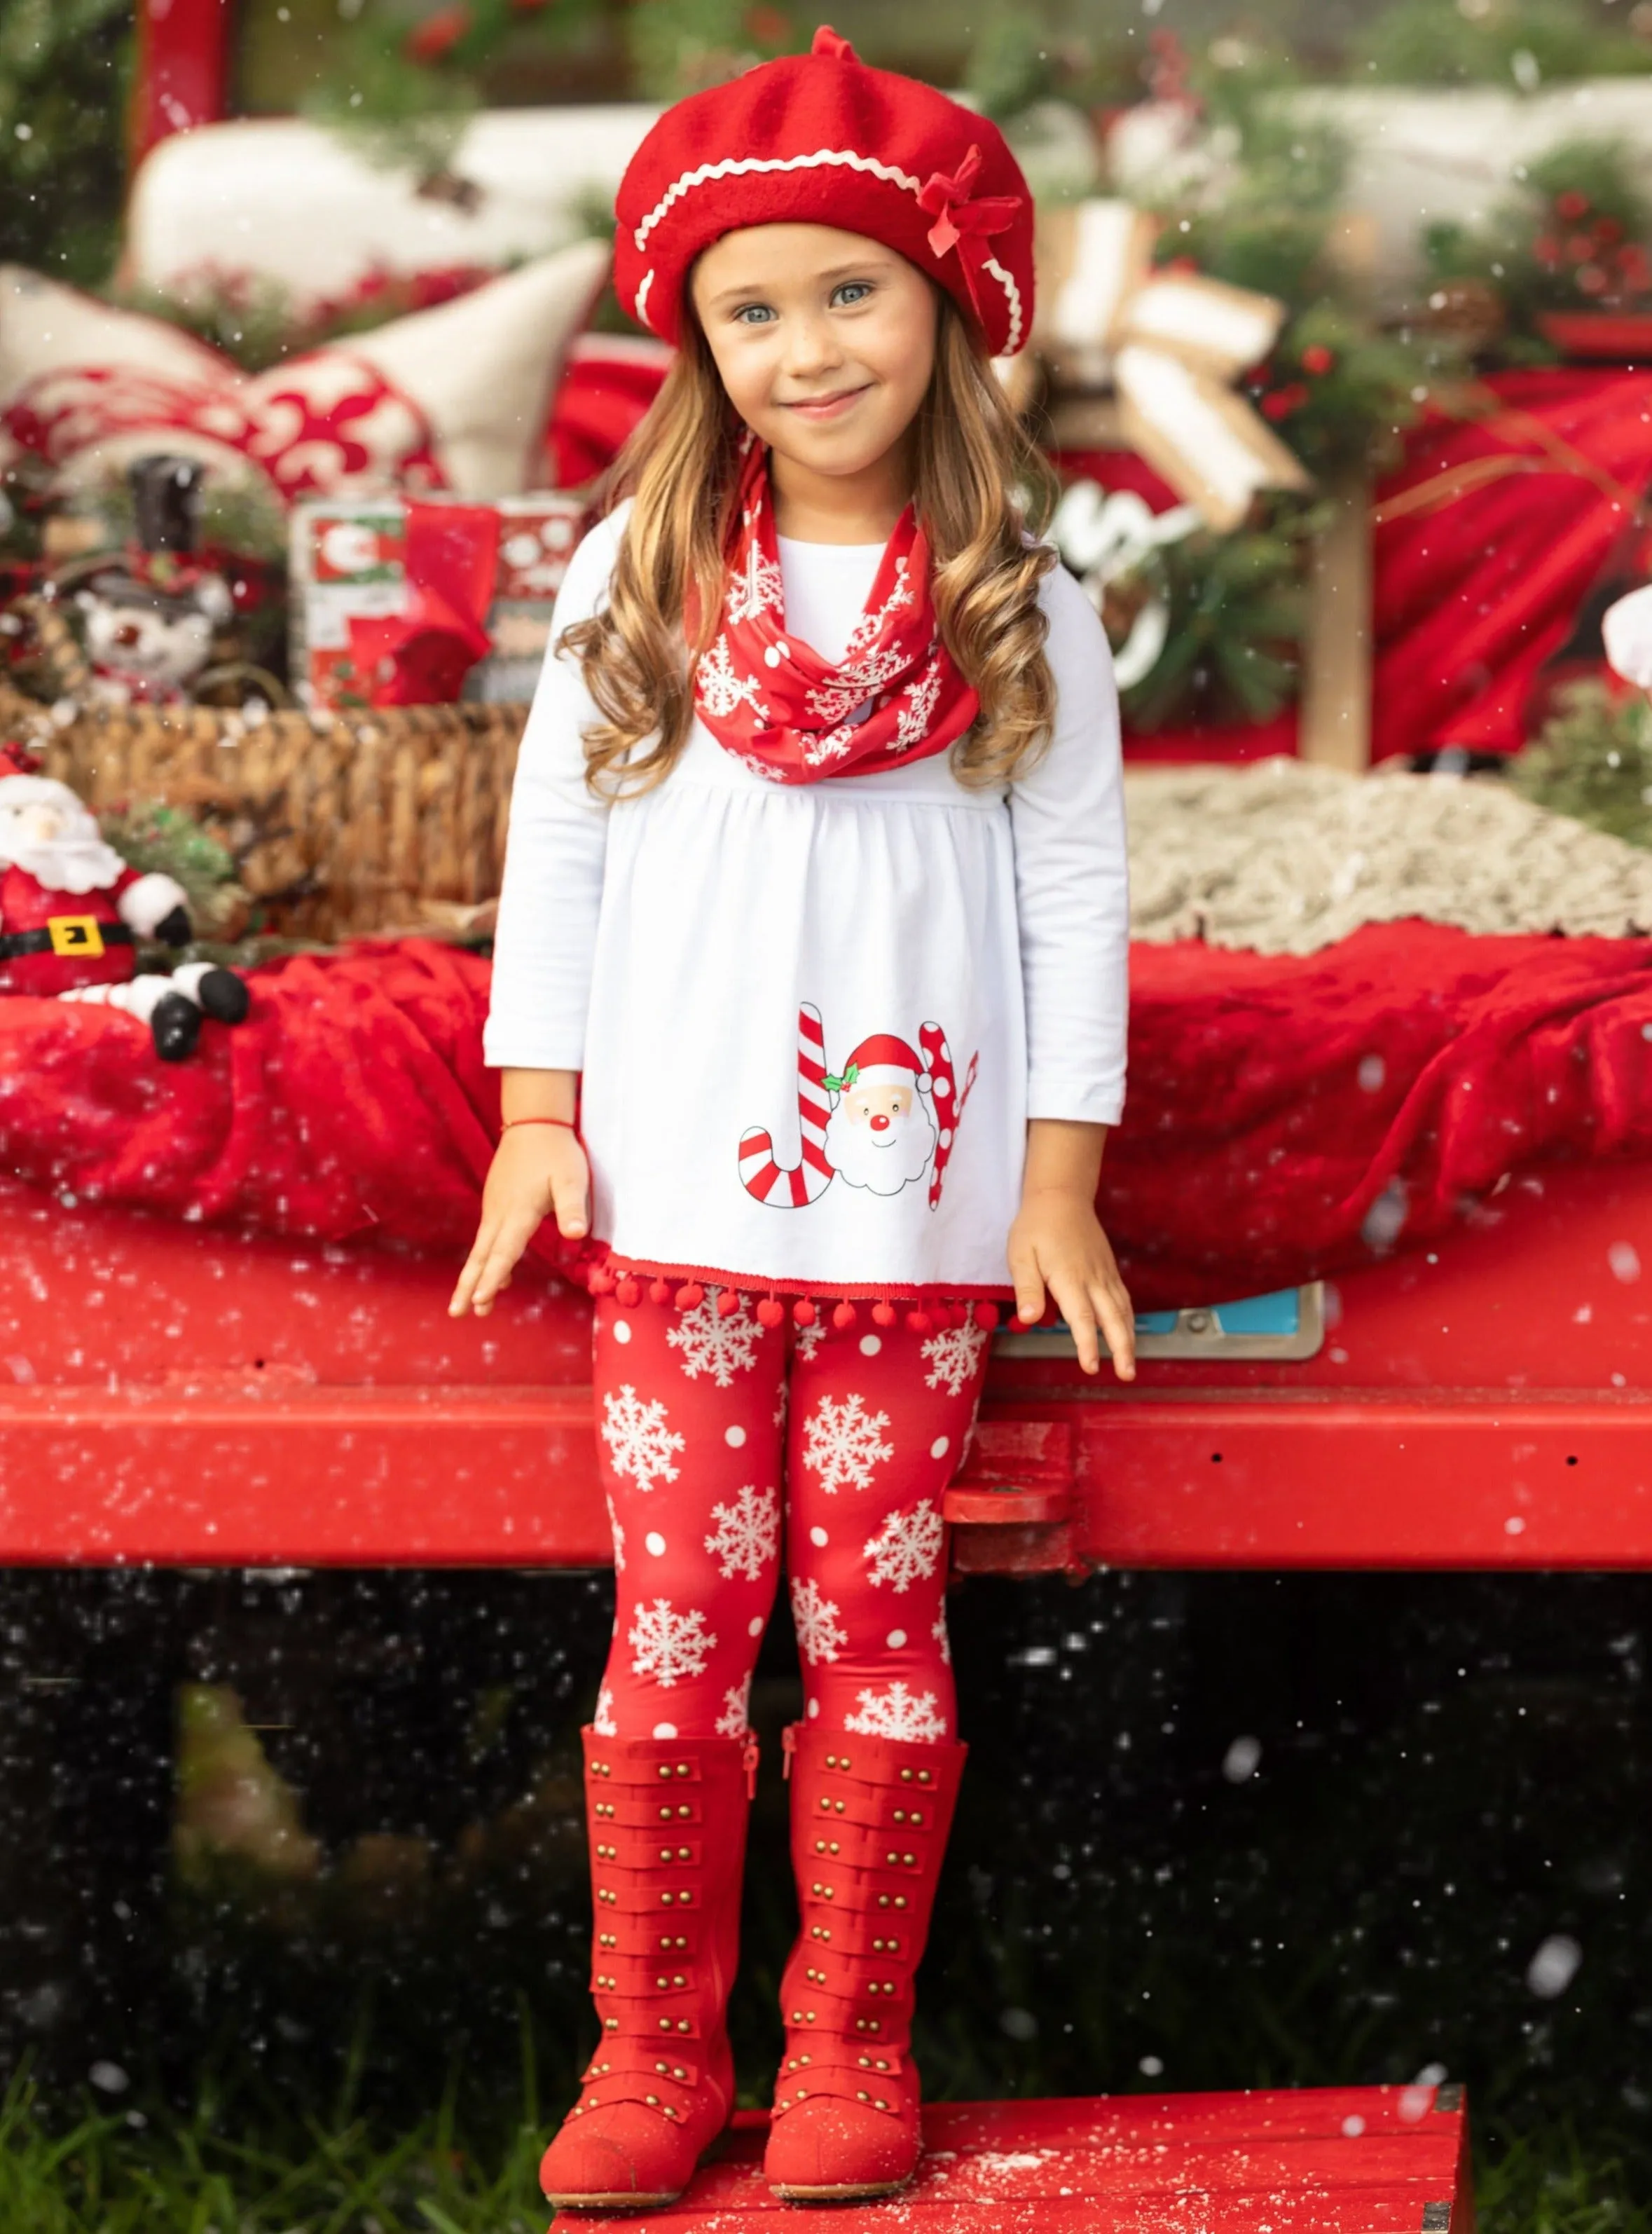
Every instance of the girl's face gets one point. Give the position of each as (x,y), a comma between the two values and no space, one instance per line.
(825,340)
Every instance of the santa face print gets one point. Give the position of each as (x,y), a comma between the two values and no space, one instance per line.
(887,1120)
(880,1135)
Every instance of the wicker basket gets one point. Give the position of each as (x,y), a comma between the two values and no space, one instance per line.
(391,820)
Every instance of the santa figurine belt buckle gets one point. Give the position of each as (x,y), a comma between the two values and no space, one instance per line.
(75,934)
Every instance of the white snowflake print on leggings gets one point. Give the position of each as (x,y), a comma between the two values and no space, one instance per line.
(709,1477)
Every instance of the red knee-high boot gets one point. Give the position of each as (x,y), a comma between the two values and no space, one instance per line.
(870,1819)
(666,1820)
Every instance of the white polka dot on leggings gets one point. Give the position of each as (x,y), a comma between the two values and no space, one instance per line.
(665,1729)
(755,1626)
(819,1538)
(622,1329)
(870,1344)
(895,1639)
(734,1437)
(655,1541)
(814,1709)
(939,1448)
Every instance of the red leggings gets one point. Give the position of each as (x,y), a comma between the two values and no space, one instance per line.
(701,1419)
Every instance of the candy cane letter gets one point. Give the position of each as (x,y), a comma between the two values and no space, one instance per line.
(808,1180)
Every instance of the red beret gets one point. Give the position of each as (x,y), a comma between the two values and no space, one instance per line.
(819,139)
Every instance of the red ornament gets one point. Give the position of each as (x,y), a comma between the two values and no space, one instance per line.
(1318,359)
(438,35)
(1571,203)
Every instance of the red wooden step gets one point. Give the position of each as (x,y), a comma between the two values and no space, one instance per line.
(1324,2160)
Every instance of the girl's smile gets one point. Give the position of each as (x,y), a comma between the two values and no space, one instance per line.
(829,407)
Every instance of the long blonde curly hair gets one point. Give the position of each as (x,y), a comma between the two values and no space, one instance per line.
(971,458)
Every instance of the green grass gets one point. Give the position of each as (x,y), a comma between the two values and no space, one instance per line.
(222,2170)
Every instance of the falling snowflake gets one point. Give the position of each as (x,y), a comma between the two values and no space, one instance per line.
(896,1713)
(670,1646)
(711,1343)
(955,1353)
(938,1632)
(737,1703)
(748,1534)
(815,1619)
(907,1548)
(603,1720)
(720,690)
(843,1443)
(619,1528)
(639,1441)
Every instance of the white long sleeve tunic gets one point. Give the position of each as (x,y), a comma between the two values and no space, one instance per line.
(663,945)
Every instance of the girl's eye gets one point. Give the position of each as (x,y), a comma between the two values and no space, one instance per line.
(854,287)
(741,318)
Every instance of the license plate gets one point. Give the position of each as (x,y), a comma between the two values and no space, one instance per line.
(1288,1323)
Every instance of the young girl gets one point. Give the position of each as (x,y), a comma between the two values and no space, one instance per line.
(814,916)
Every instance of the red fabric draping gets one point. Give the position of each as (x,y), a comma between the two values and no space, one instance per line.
(1471,599)
(1273,1099)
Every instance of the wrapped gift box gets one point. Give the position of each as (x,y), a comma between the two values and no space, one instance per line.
(348,562)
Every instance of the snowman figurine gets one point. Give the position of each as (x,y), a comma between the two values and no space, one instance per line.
(150,620)
(72,912)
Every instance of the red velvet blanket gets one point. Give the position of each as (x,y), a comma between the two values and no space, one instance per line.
(1288,1117)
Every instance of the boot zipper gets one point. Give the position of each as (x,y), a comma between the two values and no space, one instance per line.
(748,1761)
(788,1746)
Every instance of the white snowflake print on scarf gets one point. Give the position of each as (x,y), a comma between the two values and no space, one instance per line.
(907,1548)
(843,1443)
(639,1438)
(912,722)
(819,1637)
(670,1647)
(955,1353)
(720,690)
(603,1720)
(863,669)
(938,1632)
(736,1705)
(757,590)
(711,1343)
(618,1527)
(748,1534)
(896,1713)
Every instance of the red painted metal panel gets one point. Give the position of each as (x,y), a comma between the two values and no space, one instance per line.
(1342,2160)
(176,1394)
(183,68)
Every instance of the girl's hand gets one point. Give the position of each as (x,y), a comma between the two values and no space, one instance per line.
(1056,1244)
(537,1170)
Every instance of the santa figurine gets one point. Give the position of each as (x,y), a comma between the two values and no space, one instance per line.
(72,912)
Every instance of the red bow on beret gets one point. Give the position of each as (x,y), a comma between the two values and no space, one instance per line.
(965,224)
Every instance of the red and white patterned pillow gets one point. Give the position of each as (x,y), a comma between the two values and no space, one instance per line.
(453,398)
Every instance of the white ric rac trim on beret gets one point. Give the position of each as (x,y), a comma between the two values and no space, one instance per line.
(732,166)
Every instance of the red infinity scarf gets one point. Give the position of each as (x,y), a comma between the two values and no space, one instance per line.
(777,705)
